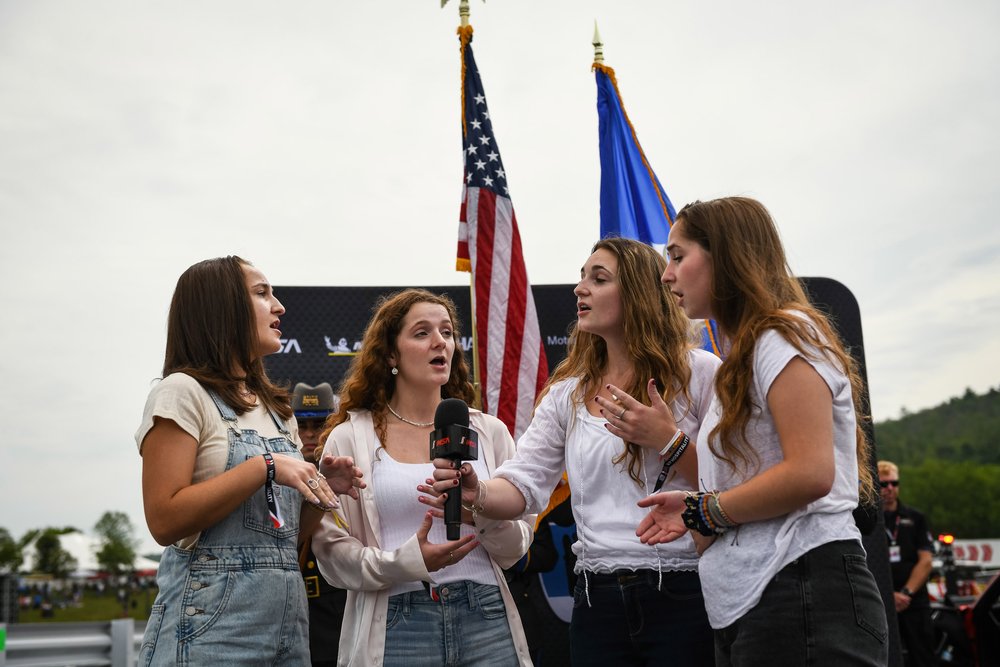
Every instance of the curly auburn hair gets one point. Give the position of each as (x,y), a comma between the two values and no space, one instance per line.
(657,336)
(753,290)
(369,384)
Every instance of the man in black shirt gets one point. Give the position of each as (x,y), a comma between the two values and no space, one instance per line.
(910,551)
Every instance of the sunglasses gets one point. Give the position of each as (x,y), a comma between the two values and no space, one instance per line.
(892,482)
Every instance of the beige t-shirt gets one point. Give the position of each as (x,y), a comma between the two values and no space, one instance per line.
(180,398)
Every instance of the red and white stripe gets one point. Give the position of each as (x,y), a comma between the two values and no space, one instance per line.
(511,356)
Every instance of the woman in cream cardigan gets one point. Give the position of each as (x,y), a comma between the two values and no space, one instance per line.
(413,596)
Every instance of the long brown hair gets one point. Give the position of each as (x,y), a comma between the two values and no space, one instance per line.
(753,290)
(369,384)
(657,337)
(212,335)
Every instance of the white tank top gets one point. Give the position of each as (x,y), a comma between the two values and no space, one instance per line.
(400,515)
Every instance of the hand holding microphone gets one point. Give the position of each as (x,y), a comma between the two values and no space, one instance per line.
(454,441)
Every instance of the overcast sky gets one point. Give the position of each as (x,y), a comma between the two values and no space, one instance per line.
(321,140)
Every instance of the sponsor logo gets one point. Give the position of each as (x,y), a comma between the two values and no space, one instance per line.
(557,340)
(289,345)
(341,348)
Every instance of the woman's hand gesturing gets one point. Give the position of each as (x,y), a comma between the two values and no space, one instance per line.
(647,426)
(342,475)
(303,477)
(437,556)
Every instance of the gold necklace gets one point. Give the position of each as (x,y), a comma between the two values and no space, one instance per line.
(404,419)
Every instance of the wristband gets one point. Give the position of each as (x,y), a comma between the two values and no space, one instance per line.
(674,457)
(673,441)
(273,509)
(906,591)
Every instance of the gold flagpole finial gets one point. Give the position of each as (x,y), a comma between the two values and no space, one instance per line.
(598,46)
(463,10)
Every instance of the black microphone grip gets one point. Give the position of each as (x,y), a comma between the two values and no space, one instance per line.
(453,439)
(453,512)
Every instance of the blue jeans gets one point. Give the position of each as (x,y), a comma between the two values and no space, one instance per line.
(630,622)
(467,625)
(821,609)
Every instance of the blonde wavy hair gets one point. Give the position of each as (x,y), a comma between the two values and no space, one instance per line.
(657,336)
(753,290)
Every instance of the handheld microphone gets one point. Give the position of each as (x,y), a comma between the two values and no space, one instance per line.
(453,439)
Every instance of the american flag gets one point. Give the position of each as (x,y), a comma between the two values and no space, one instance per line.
(511,357)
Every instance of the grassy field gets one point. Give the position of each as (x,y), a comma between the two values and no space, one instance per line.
(95,607)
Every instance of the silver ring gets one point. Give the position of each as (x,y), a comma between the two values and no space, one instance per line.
(624,410)
(313,483)
(451,555)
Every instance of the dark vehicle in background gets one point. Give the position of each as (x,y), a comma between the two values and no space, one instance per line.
(965,611)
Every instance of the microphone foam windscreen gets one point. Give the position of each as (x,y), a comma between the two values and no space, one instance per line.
(451,411)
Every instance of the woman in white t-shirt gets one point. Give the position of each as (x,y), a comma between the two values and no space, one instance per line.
(605,418)
(781,457)
(414,597)
(223,482)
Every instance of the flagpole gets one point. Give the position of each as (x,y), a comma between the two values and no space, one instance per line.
(464,32)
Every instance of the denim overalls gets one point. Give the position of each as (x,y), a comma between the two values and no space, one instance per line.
(237,597)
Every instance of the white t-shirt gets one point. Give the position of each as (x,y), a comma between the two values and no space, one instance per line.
(563,435)
(740,564)
(180,398)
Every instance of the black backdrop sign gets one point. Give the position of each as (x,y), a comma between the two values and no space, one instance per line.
(322,327)
(322,330)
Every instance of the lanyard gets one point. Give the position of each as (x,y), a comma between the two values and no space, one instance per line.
(273,509)
(669,463)
(895,531)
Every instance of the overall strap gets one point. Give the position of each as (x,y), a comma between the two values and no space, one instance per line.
(279,423)
(227,412)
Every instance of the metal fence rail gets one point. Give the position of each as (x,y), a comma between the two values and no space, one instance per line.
(108,643)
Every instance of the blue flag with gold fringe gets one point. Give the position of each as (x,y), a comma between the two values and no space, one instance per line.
(633,202)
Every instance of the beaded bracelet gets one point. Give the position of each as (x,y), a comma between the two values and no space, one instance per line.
(704,514)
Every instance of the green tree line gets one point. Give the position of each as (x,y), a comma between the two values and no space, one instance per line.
(949,463)
(115,555)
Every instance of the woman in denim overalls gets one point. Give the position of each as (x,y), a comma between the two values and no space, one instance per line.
(224,482)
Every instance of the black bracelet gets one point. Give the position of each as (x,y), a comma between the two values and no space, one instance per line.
(675,455)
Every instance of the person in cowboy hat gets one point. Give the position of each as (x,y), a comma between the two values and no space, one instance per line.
(312,405)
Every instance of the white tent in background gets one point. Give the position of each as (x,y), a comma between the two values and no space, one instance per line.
(84,549)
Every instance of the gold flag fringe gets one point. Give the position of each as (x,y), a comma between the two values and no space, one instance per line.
(610,73)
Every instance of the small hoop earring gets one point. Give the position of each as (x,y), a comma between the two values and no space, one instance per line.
(394,371)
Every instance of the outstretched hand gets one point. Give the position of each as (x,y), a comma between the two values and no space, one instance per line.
(437,556)
(342,475)
(650,426)
(663,523)
(301,475)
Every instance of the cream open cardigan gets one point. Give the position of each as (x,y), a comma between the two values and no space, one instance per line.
(352,559)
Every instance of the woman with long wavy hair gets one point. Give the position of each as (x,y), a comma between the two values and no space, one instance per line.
(782,456)
(224,483)
(607,417)
(415,598)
